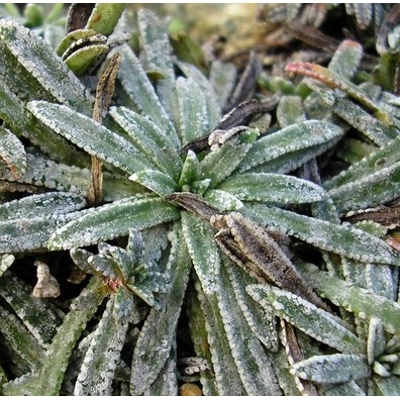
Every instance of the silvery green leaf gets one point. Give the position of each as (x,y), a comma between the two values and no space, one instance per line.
(12,153)
(156,45)
(94,138)
(98,367)
(113,220)
(39,317)
(226,376)
(12,108)
(222,79)
(223,200)
(51,372)
(151,139)
(374,189)
(80,258)
(6,261)
(45,70)
(340,239)
(290,139)
(349,388)
(190,169)
(199,239)
(385,157)
(388,386)
(158,333)
(359,301)
(272,188)
(156,181)
(138,87)
(380,280)
(49,204)
(104,17)
(290,111)
(346,59)
(335,368)
(219,164)
(194,121)
(260,321)
(254,367)
(353,150)
(315,322)
(376,340)
(20,342)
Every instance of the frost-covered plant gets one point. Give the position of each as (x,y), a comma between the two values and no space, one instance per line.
(200,199)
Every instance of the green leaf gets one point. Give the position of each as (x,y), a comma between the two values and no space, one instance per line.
(199,238)
(340,239)
(290,139)
(222,79)
(158,334)
(94,138)
(48,204)
(12,153)
(98,367)
(272,188)
(45,70)
(360,301)
(113,220)
(346,59)
(151,139)
(104,17)
(190,169)
(335,368)
(290,111)
(312,320)
(155,181)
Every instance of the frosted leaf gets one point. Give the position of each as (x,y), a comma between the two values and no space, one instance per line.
(113,220)
(98,368)
(48,205)
(192,109)
(313,321)
(12,153)
(222,79)
(349,388)
(346,59)
(272,188)
(222,200)
(190,169)
(290,111)
(293,138)
(199,238)
(376,340)
(6,261)
(46,285)
(150,139)
(158,334)
(361,302)
(12,108)
(335,368)
(138,87)
(340,239)
(39,60)
(94,138)
(254,366)
(156,181)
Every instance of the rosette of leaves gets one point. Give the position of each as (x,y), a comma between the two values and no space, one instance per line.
(208,194)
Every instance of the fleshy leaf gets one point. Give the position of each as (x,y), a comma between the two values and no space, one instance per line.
(155,181)
(339,239)
(222,79)
(312,320)
(12,153)
(113,220)
(159,330)
(91,136)
(104,17)
(360,301)
(272,188)
(335,368)
(293,138)
(199,238)
(346,59)
(290,111)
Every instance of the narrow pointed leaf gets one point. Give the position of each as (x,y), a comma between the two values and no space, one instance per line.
(346,59)
(150,139)
(222,79)
(104,17)
(290,111)
(113,220)
(293,138)
(158,334)
(44,68)
(12,153)
(335,368)
(359,301)
(155,181)
(272,188)
(312,320)
(199,238)
(339,239)
(98,367)
(91,136)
